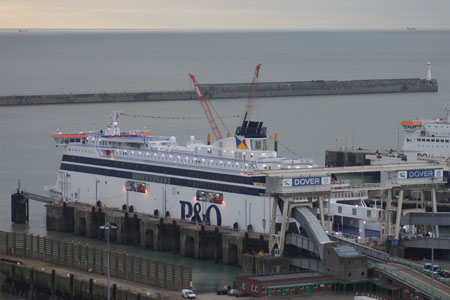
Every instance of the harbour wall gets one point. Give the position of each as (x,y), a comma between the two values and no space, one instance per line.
(240,90)
(26,280)
(94,259)
(200,241)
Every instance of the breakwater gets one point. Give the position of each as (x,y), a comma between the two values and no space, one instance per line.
(241,90)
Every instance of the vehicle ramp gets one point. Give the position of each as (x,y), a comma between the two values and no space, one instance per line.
(313,228)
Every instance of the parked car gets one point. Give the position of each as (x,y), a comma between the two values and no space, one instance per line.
(223,290)
(232,292)
(188,293)
(242,294)
(444,274)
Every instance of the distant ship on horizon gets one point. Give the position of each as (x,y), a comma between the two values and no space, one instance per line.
(410,28)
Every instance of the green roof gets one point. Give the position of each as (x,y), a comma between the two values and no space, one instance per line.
(346,251)
(296,284)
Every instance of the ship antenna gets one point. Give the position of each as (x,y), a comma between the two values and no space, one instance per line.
(113,126)
(447,109)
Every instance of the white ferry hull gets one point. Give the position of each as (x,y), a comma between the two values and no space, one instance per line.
(180,202)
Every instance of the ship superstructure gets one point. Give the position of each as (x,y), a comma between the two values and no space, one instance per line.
(200,182)
(427,138)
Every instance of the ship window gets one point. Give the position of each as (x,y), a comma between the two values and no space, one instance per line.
(340,209)
(442,141)
(369,213)
(428,140)
(432,140)
(354,211)
(446,141)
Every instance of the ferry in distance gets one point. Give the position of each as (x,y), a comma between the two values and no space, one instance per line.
(427,138)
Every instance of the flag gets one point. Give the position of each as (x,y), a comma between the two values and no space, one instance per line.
(241,144)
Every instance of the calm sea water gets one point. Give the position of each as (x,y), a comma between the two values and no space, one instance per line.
(77,62)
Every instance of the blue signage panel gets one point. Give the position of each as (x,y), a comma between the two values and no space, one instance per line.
(306,181)
(428,173)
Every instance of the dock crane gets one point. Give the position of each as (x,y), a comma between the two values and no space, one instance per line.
(206,109)
(251,100)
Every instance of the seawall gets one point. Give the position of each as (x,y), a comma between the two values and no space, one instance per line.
(42,281)
(241,90)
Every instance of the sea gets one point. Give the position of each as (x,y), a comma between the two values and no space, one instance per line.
(93,61)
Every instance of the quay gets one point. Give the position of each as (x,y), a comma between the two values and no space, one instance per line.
(240,90)
(300,235)
(199,241)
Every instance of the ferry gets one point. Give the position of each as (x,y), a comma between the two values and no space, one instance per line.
(427,138)
(219,183)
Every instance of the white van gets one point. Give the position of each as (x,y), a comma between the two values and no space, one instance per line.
(188,293)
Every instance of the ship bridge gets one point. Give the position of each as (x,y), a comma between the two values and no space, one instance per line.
(293,192)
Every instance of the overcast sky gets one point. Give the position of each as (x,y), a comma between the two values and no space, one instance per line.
(225,14)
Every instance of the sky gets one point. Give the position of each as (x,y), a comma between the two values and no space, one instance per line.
(225,14)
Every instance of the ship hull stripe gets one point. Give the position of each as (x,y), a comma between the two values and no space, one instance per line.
(163,179)
(164,170)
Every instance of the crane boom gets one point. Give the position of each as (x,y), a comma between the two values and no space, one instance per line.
(250,101)
(206,109)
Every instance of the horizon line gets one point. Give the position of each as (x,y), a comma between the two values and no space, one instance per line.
(223,29)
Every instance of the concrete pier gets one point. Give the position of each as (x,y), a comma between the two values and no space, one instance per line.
(241,90)
(199,241)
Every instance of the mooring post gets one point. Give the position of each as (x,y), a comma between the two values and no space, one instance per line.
(31,290)
(91,289)
(114,291)
(201,248)
(216,244)
(160,234)
(125,230)
(71,287)
(174,237)
(53,284)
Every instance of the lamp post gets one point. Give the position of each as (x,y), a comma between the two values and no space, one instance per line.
(433,232)
(96,191)
(107,228)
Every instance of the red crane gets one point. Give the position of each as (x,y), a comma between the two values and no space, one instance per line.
(250,101)
(206,109)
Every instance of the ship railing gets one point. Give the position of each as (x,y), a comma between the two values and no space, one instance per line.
(201,162)
(340,182)
(349,194)
(363,186)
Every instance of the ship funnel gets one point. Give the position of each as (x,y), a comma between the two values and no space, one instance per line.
(429,71)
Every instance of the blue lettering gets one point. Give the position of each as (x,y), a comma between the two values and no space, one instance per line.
(218,215)
(185,216)
(197,218)
(420,173)
(193,213)
(307,181)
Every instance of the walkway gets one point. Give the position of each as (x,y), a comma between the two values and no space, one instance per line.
(416,279)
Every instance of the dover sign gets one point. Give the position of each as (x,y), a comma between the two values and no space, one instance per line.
(429,173)
(306,181)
